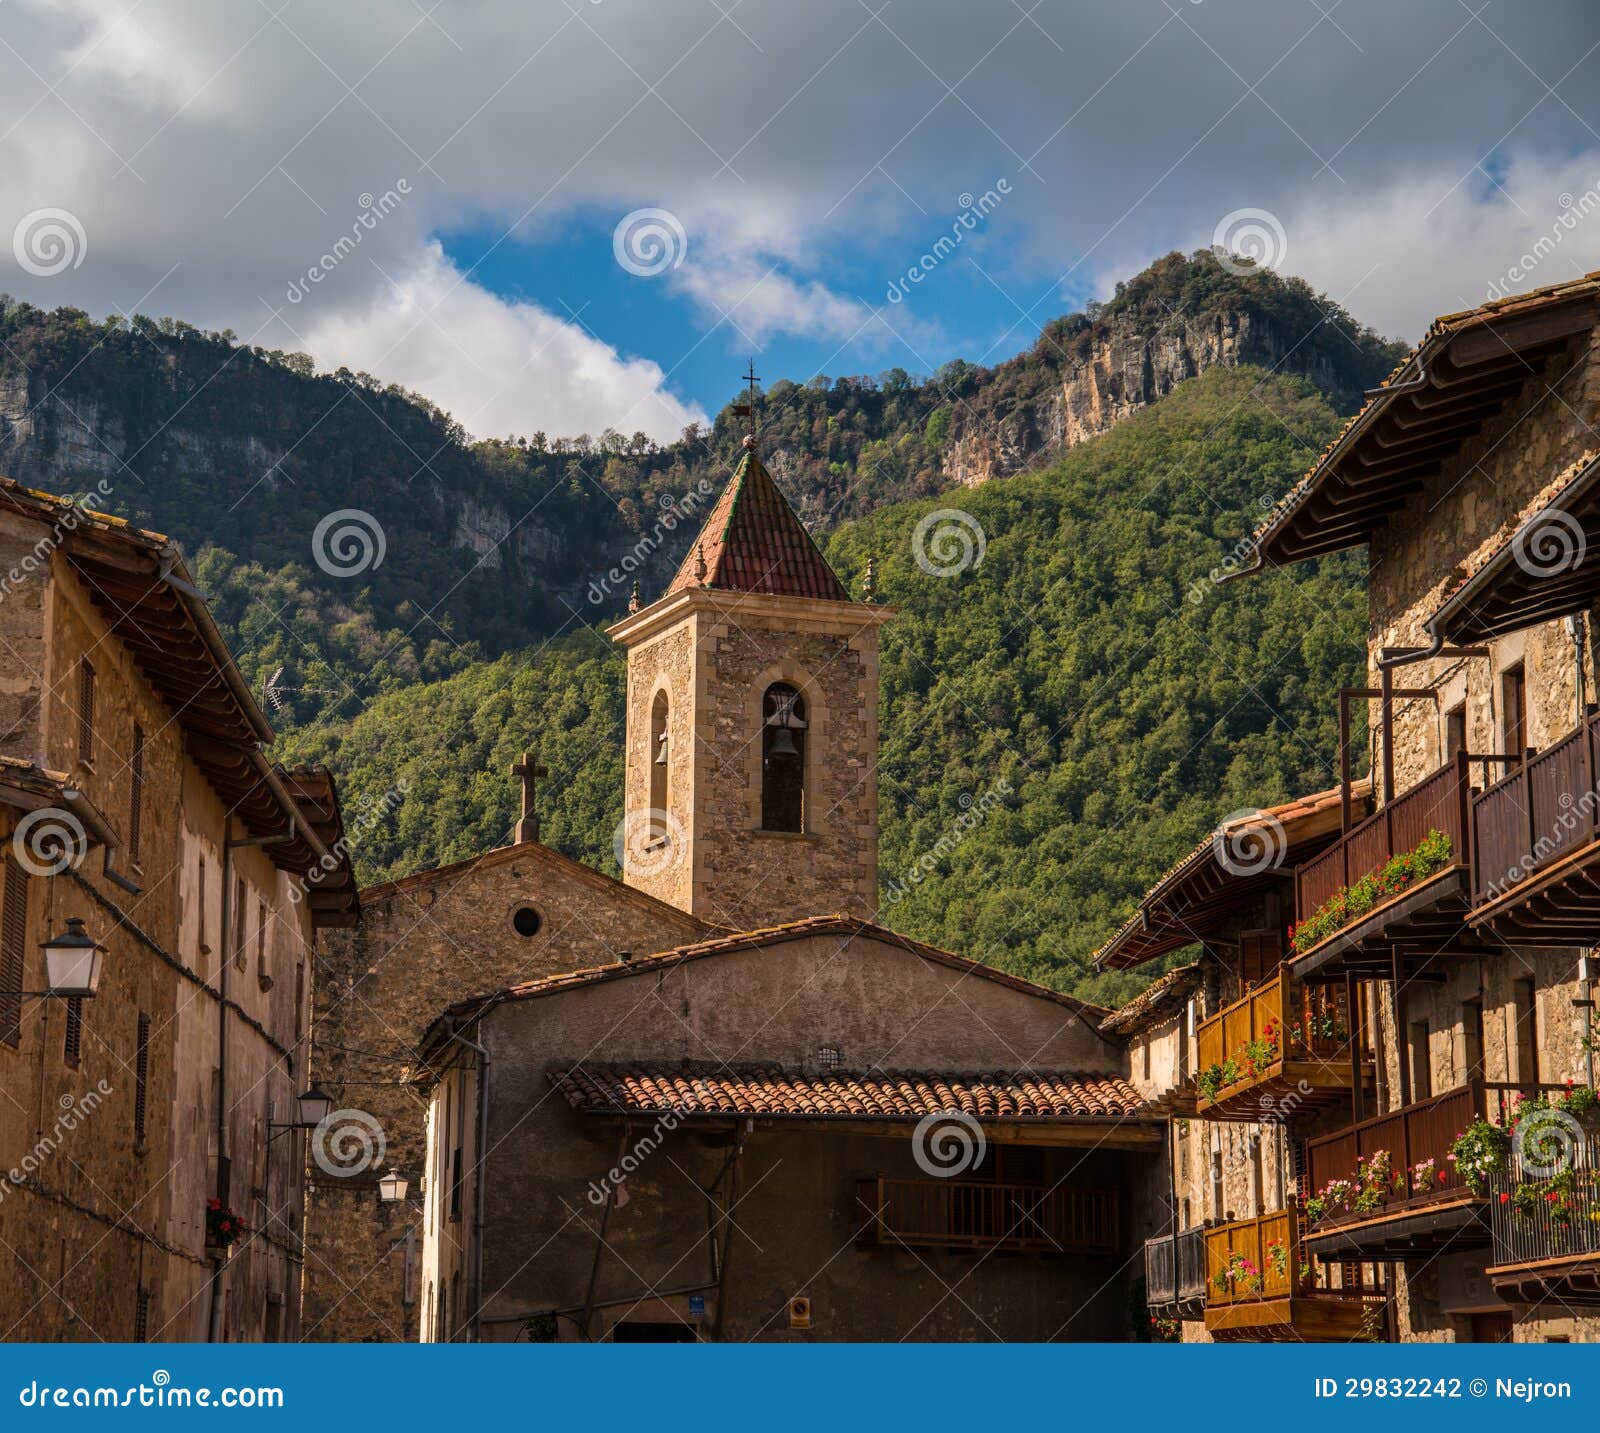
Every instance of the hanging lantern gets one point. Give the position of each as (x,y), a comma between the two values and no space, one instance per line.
(72,961)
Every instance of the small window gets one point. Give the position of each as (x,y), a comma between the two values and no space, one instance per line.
(202,945)
(1525,1011)
(783,759)
(660,758)
(829,1057)
(85,713)
(136,794)
(241,895)
(455,1183)
(526,921)
(263,974)
(141,1316)
(141,1079)
(1472,1037)
(299,1001)
(1455,732)
(1421,1066)
(1513,711)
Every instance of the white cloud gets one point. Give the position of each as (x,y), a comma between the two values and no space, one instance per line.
(214,152)
(491,363)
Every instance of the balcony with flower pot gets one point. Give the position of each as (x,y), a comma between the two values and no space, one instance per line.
(1544,1205)
(1263,1287)
(1283,1047)
(1399,877)
(1414,1182)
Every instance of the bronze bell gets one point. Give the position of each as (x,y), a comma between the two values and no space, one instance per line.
(661,749)
(783,743)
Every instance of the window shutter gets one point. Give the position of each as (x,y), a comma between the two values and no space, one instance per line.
(13,945)
(141,1317)
(141,1078)
(136,794)
(85,713)
(72,1050)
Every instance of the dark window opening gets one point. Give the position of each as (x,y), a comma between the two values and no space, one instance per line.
(526,922)
(1455,732)
(783,759)
(1525,1012)
(141,1316)
(1421,1076)
(660,762)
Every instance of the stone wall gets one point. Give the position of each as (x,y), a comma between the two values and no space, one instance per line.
(105,1227)
(423,943)
(796,1220)
(1472,504)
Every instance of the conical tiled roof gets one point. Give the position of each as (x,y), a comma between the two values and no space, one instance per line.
(754,542)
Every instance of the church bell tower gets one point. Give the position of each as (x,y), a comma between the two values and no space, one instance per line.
(751,788)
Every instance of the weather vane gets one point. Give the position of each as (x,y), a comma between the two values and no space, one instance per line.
(747,409)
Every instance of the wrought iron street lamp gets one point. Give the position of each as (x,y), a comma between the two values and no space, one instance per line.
(73,962)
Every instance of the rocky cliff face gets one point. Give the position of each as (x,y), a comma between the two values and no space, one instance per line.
(1120,360)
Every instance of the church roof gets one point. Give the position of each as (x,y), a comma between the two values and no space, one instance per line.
(842,927)
(754,542)
(771,1091)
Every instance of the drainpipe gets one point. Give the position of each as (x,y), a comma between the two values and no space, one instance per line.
(475,1264)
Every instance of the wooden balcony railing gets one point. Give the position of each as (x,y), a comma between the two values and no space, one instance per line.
(1303,1022)
(1259,1260)
(1421,1132)
(1436,803)
(981,1214)
(1175,1268)
(1536,813)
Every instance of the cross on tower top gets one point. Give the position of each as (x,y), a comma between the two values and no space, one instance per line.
(530,769)
(747,409)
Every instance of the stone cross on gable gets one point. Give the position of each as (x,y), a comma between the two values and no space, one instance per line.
(530,770)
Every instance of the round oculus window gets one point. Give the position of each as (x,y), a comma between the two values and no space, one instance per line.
(527,921)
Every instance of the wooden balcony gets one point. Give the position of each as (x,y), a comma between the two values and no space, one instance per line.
(1536,837)
(986,1215)
(1433,909)
(1262,1286)
(1550,1253)
(1409,1216)
(1175,1273)
(1313,1051)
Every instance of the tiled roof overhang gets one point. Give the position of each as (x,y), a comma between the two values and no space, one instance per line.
(1465,370)
(707,1090)
(1548,567)
(1197,893)
(137,581)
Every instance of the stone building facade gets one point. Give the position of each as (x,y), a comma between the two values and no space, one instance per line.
(1469,476)
(134,797)
(769,1136)
(718,833)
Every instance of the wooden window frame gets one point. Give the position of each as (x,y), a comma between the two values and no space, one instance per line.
(86,694)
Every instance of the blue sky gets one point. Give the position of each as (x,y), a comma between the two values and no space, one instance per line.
(433,194)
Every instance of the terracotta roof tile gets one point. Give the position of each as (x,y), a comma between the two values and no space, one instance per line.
(754,542)
(1156,1002)
(769,1091)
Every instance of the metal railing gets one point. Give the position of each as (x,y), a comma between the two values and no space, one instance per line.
(980,1214)
(1542,1229)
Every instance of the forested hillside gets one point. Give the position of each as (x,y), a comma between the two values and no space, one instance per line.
(1087,675)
